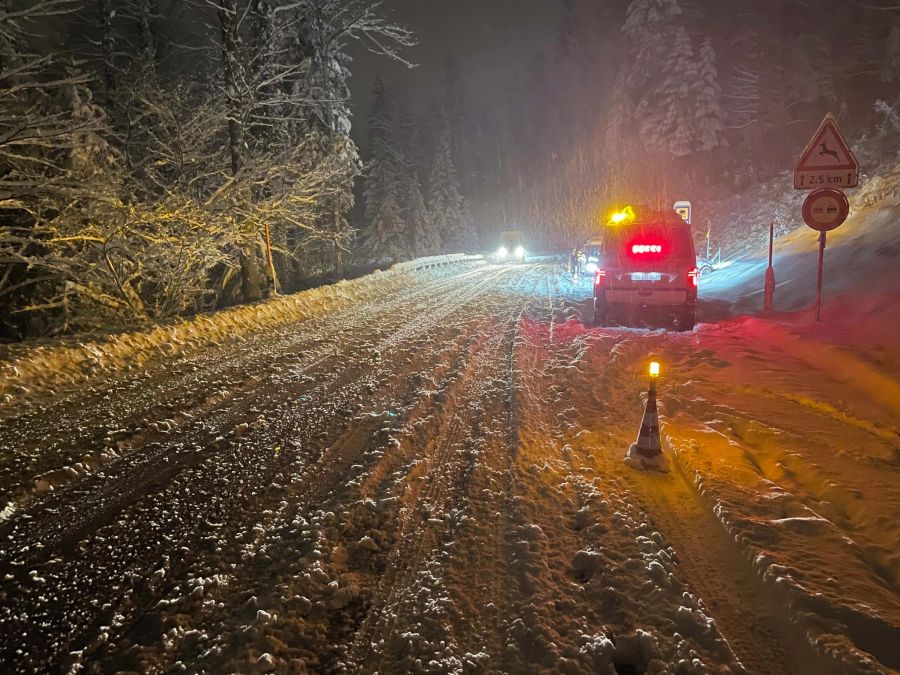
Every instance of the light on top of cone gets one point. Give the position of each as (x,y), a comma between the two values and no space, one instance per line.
(654,369)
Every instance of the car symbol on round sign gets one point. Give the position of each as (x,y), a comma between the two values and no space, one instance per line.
(825,209)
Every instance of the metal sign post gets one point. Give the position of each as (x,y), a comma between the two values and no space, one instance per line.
(827,160)
(819,276)
(824,210)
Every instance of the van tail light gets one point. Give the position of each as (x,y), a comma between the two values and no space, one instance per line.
(694,276)
(599,277)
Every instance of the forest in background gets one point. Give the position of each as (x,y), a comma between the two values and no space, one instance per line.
(647,101)
(156,156)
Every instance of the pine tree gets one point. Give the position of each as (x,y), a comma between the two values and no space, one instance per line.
(445,203)
(384,192)
(380,167)
(648,27)
(667,126)
(327,28)
(421,236)
(709,114)
(890,66)
(386,239)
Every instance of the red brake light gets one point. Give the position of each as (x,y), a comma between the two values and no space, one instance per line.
(646,248)
(599,276)
(694,276)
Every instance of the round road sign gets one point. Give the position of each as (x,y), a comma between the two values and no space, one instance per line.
(825,209)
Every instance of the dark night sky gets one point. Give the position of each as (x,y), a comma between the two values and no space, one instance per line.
(495,43)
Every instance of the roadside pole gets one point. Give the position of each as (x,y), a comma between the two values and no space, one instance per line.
(769,295)
(269,260)
(819,276)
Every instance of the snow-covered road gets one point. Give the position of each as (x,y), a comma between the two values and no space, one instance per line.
(431,480)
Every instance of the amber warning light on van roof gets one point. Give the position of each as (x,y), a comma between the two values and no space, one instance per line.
(626,215)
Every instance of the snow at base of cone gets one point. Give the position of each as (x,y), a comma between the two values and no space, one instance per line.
(638,460)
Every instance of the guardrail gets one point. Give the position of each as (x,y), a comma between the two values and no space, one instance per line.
(435,261)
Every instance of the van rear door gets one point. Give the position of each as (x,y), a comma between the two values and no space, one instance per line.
(649,264)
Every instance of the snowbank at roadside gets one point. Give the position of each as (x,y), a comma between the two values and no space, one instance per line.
(860,257)
(787,426)
(43,367)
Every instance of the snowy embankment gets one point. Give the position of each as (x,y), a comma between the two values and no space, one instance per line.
(41,368)
(860,256)
(857,338)
(782,433)
(788,429)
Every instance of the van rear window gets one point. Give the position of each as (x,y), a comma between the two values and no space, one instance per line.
(649,242)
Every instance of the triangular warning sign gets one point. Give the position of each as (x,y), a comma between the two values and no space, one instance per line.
(826,161)
(827,151)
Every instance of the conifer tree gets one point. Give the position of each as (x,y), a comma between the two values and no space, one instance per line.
(384,192)
(387,239)
(648,27)
(667,125)
(445,203)
(890,67)
(380,167)
(421,236)
(709,114)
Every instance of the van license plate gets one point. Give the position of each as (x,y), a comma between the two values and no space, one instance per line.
(646,276)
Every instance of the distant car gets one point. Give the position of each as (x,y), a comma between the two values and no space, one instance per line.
(646,266)
(512,247)
(592,250)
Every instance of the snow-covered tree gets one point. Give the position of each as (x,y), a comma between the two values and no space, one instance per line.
(445,203)
(648,28)
(421,235)
(386,237)
(383,166)
(385,224)
(667,123)
(709,115)
(890,65)
(328,28)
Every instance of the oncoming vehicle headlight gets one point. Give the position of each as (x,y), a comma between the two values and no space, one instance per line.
(502,252)
(591,267)
(520,251)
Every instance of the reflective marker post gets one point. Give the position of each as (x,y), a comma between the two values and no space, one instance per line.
(819,276)
(769,294)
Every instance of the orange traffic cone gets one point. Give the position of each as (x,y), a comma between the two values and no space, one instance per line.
(646,452)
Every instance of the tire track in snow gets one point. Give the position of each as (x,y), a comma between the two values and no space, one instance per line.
(119,411)
(800,509)
(461,301)
(450,487)
(140,469)
(707,560)
(414,326)
(421,522)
